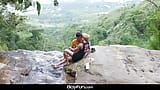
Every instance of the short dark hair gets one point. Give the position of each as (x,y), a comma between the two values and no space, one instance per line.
(78,34)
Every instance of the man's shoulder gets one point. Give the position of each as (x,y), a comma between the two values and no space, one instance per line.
(74,40)
(80,44)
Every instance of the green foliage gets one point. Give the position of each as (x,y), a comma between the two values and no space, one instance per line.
(130,25)
(8,28)
(32,42)
(133,25)
(155,29)
(3,47)
(155,38)
(20,4)
(10,23)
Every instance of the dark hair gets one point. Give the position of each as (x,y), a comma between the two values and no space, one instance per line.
(78,34)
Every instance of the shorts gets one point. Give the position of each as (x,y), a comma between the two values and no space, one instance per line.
(77,56)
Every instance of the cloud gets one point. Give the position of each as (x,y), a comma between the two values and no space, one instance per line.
(72,1)
(93,1)
(44,1)
(121,1)
(67,1)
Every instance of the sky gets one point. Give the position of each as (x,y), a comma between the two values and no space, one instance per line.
(71,1)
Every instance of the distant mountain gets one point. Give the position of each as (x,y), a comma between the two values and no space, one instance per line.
(78,11)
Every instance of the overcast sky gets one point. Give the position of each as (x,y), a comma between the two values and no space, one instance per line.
(32,10)
(70,1)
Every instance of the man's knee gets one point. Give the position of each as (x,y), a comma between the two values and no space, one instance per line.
(69,58)
(66,50)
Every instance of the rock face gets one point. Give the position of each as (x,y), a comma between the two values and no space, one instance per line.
(117,64)
(30,67)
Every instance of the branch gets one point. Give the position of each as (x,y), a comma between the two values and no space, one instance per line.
(153,3)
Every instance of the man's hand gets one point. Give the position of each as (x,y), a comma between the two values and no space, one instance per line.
(70,48)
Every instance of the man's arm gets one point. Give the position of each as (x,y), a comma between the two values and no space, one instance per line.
(77,48)
(73,43)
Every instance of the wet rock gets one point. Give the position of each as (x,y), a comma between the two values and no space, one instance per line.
(31,67)
(3,58)
(7,74)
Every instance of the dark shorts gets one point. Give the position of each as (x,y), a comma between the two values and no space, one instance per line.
(77,56)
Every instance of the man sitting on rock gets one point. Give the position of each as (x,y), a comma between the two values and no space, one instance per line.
(75,42)
(77,53)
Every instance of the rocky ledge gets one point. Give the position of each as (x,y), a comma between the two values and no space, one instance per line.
(114,64)
(30,67)
(117,64)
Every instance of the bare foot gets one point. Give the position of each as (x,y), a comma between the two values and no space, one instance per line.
(55,66)
(62,59)
(66,64)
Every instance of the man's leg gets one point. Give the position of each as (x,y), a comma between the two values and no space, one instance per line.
(69,58)
(61,62)
(68,52)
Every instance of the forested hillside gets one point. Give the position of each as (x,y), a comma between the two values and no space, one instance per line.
(134,25)
(131,23)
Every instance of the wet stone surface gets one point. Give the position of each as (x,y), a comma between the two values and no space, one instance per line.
(31,67)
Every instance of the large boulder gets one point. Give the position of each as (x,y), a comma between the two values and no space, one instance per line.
(118,64)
